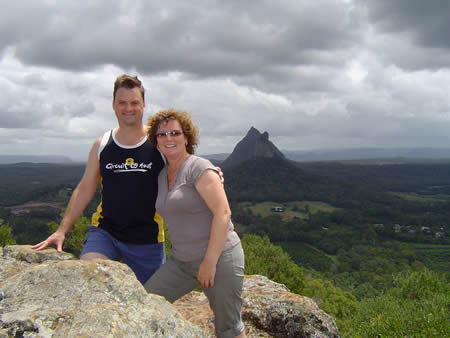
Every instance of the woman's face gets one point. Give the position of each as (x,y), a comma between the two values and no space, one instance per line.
(171,140)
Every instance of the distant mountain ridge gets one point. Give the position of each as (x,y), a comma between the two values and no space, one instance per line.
(368,153)
(253,145)
(358,154)
(12,159)
(216,157)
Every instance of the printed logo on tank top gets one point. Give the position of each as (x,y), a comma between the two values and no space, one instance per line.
(129,165)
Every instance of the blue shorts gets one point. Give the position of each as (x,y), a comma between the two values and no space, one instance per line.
(143,259)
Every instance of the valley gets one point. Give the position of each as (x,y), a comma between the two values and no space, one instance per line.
(339,233)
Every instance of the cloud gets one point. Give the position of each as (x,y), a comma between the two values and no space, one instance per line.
(411,33)
(200,38)
(314,74)
(426,22)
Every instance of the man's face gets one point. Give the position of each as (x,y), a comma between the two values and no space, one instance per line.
(129,106)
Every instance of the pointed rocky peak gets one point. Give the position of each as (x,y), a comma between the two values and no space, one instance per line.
(253,132)
(253,145)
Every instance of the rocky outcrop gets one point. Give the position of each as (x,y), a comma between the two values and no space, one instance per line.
(73,298)
(46,294)
(269,310)
(253,145)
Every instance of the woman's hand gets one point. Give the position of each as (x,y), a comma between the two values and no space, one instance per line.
(206,274)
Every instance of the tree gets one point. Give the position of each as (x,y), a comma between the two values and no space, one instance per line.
(6,235)
(331,299)
(267,259)
(264,258)
(417,306)
(75,237)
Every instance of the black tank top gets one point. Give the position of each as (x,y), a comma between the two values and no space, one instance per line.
(129,187)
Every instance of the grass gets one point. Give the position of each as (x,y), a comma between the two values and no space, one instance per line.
(412,196)
(435,256)
(307,255)
(291,209)
(314,206)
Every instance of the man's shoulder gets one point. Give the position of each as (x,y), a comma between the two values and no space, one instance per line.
(101,142)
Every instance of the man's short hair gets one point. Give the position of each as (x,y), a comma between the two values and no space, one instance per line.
(128,81)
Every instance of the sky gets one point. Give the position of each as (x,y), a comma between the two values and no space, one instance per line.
(314,74)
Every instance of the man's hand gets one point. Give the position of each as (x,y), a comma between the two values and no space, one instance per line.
(56,238)
(219,171)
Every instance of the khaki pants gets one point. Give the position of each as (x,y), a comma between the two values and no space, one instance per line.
(174,279)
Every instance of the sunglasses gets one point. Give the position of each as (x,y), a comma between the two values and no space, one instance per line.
(170,132)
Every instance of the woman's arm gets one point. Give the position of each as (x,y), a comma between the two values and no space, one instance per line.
(211,189)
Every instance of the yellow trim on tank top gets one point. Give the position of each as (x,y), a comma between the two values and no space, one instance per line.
(97,215)
(159,220)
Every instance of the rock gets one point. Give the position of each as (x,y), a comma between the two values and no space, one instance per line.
(46,294)
(271,306)
(27,254)
(17,257)
(73,298)
(269,310)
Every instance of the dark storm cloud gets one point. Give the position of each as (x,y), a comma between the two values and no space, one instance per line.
(202,38)
(67,36)
(314,74)
(428,21)
(418,29)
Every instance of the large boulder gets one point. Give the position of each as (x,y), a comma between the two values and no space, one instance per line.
(47,294)
(73,298)
(269,310)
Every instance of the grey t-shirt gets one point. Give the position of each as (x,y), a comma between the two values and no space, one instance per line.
(185,212)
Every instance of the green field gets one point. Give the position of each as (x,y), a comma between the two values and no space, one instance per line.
(307,256)
(412,196)
(290,209)
(436,257)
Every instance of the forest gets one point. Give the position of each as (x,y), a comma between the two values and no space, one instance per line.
(368,241)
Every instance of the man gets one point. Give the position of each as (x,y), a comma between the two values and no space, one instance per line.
(125,226)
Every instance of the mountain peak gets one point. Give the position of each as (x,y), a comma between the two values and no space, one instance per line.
(253,132)
(253,145)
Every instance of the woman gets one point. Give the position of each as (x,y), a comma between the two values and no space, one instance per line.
(206,251)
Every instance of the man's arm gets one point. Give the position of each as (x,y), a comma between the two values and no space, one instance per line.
(80,198)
